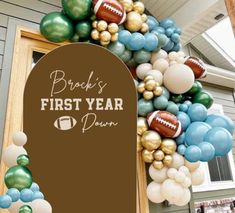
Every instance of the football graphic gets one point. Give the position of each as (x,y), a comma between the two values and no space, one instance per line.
(65,123)
(165,123)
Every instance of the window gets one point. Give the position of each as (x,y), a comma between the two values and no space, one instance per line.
(219,172)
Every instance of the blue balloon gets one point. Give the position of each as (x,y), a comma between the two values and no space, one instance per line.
(145,107)
(221,139)
(151,42)
(35,187)
(169,31)
(189,103)
(169,46)
(26,195)
(124,36)
(193,153)
(160,30)
(137,41)
(208,151)
(184,120)
(165,93)
(38,195)
(176,47)
(196,132)
(175,38)
(172,108)
(178,31)
(5,201)
(180,139)
(183,107)
(152,22)
(167,23)
(160,102)
(181,149)
(197,112)
(221,121)
(14,194)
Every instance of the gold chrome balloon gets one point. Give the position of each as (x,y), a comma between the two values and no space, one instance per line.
(151,140)
(147,156)
(113,28)
(168,146)
(158,91)
(150,85)
(158,164)
(148,95)
(144,17)
(159,155)
(94,24)
(105,36)
(133,21)
(95,34)
(114,37)
(141,87)
(127,4)
(167,161)
(142,126)
(139,145)
(144,28)
(104,43)
(139,7)
(102,25)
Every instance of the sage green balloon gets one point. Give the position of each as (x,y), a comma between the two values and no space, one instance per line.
(77,9)
(18,177)
(56,27)
(83,29)
(23,160)
(25,209)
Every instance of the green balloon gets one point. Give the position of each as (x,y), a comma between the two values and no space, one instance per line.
(23,160)
(178,98)
(196,88)
(75,38)
(162,40)
(117,48)
(25,209)
(77,9)
(83,29)
(56,27)
(204,98)
(18,177)
(126,56)
(131,63)
(142,56)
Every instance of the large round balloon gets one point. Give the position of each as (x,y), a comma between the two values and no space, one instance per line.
(56,27)
(154,192)
(178,78)
(77,9)
(41,206)
(198,176)
(158,175)
(208,151)
(197,112)
(145,107)
(193,153)
(204,98)
(184,199)
(221,139)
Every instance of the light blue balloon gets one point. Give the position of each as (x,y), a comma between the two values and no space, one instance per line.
(178,31)
(38,195)
(181,149)
(137,41)
(124,36)
(167,23)
(160,102)
(151,42)
(169,32)
(5,201)
(177,47)
(145,107)
(152,22)
(197,112)
(184,120)
(180,139)
(14,194)
(175,38)
(193,153)
(220,121)
(221,139)
(162,40)
(160,30)
(26,195)
(183,107)
(172,108)
(169,46)
(35,187)
(208,151)
(196,132)
(189,103)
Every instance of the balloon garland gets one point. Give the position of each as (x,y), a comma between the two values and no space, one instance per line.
(174,130)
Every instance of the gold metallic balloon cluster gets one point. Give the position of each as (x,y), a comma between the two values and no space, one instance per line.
(149,88)
(136,18)
(104,32)
(154,149)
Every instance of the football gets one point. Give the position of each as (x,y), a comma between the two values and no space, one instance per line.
(65,123)
(109,10)
(197,66)
(165,123)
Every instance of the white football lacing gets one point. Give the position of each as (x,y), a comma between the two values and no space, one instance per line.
(111,8)
(166,123)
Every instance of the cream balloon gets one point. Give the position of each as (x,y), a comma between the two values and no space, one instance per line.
(156,55)
(181,54)
(41,206)
(185,170)
(171,173)
(19,138)
(192,166)
(161,64)
(178,78)
(143,69)
(187,182)
(158,175)
(197,177)
(154,192)
(180,60)
(15,207)
(173,56)
(184,199)
(157,75)
(178,161)
(11,153)
(180,177)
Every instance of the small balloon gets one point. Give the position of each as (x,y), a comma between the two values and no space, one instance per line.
(208,151)
(159,155)
(26,195)
(158,164)
(14,194)
(25,209)
(142,56)
(168,146)
(19,138)
(158,175)
(5,201)
(23,160)
(147,156)
(145,107)
(204,98)
(178,161)
(154,192)
(193,153)
(184,120)
(151,140)
(167,161)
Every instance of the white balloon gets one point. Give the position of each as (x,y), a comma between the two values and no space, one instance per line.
(41,206)
(180,60)
(177,161)
(187,182)
(185,170)
(157,75)
(197,177)
(156,55)
(15,207)
(181,54)
(173,56)
(11,153)
(154,192)
(178,78)
(180,177)
(161,65)
(192,166)
(19,138)
(171,190)
(142,70)
(172,63)
(158,175)
(184,199)
(171,173)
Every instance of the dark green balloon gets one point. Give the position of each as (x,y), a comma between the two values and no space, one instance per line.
(23,160)
(25,209)
(132,63)
(196,88)
(77,9)
(126,56)
(178,98)
(204,98)
(18,177)
(83,29)
(75,38)
(56,27)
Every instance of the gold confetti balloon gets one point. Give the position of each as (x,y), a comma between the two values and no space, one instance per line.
(167,161)
(158,164)
(144,28)
(151,140)
(168,146)
(139,145)
(114,37)
(158,91)
(95,34)
(102,25)
(113,28)
(144,17)
(142,125)
(105,36)
(147,156)
(133,21)
(127,4)
(139,7)
(159,155)
(148,95)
